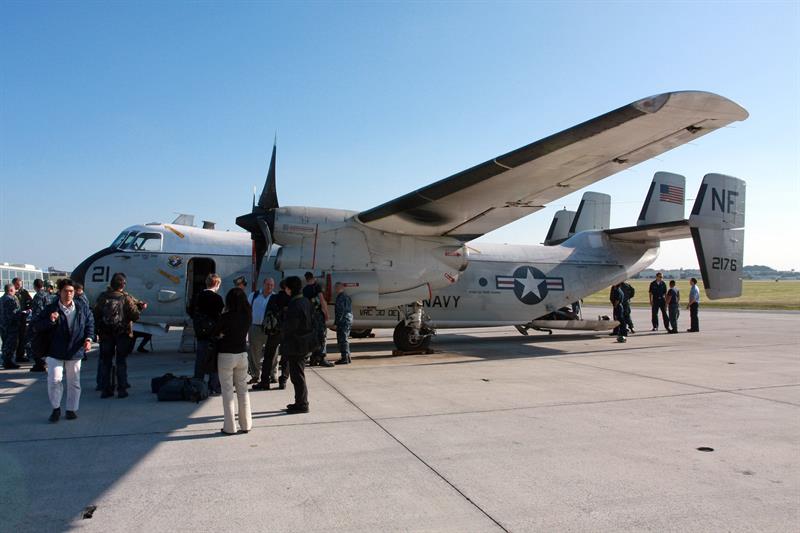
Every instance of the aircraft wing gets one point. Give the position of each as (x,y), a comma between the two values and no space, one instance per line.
(511,186)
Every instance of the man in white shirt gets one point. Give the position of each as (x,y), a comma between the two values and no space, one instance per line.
(258,301)
(694,305)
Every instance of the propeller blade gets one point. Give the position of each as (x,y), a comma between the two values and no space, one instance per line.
(269,195)
(261,220)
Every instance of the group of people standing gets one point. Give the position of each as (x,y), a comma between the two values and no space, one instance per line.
(290,323)
(662,299)
(667,302)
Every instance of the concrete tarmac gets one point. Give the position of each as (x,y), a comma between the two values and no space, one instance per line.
(494,432)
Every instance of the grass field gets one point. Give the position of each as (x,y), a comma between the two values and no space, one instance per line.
(755,295)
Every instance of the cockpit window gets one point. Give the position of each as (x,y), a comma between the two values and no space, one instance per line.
(126,244)
(118,241)
(147,242)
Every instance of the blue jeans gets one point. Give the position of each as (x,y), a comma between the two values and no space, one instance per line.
(200,357)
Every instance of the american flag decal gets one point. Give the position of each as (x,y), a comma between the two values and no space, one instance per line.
(671,193)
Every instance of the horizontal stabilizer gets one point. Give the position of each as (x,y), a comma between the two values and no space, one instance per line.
(655,233)
(559,228)
(665,199)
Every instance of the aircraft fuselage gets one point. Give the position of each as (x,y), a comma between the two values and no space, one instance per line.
(502,284)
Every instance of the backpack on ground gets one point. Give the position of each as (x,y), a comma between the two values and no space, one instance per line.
(628,290)
(112,315)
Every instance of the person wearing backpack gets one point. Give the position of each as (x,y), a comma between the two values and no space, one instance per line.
(70,325)
(206,309)
(617,299)
(297,338)
(231,329)
(673,306)
(314,293)
(629,292)
(114,313)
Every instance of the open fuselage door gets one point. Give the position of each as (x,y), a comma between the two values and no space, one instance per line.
(196,272)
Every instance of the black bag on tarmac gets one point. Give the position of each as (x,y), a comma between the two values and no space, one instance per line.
(182,389)
(155,383)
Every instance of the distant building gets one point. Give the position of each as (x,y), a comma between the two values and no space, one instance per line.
(27,273)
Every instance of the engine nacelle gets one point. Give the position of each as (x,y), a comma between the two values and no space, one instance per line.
(384,269)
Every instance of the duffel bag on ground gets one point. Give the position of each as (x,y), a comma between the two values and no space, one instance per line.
(155,383)
(195,390)
(183,389)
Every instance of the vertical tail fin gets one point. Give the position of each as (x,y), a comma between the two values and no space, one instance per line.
(559,228)
(665,199)
(594,212)
(717,226)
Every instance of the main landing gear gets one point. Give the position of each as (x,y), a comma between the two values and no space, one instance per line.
(413,334)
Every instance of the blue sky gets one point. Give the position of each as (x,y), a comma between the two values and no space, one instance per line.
(113,114)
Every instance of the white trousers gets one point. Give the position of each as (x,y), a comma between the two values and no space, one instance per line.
(56,368)
(233,375)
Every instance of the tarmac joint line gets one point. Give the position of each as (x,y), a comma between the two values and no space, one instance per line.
(415,455)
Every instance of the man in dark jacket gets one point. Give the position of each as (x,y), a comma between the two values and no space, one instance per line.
(70,325)
(41,299)
(206,310)
(282,300)
(114,313)
(10,316)
(296,333)
(25,301)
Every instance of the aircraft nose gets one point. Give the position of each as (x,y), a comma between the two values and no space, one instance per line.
(79,273)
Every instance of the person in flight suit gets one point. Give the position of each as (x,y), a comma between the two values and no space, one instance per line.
(313,292)
(673,303)
(658,301)
(343,320)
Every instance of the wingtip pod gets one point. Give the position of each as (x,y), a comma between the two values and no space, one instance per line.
(717,226)
(713,105)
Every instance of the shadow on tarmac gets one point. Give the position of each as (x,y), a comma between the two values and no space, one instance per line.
(49,473)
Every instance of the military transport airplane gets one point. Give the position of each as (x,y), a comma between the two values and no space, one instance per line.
(408,263)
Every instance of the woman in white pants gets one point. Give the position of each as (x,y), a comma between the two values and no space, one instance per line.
(233,326)
(69,324)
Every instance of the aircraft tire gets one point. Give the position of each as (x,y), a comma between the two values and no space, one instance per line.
(405,342)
